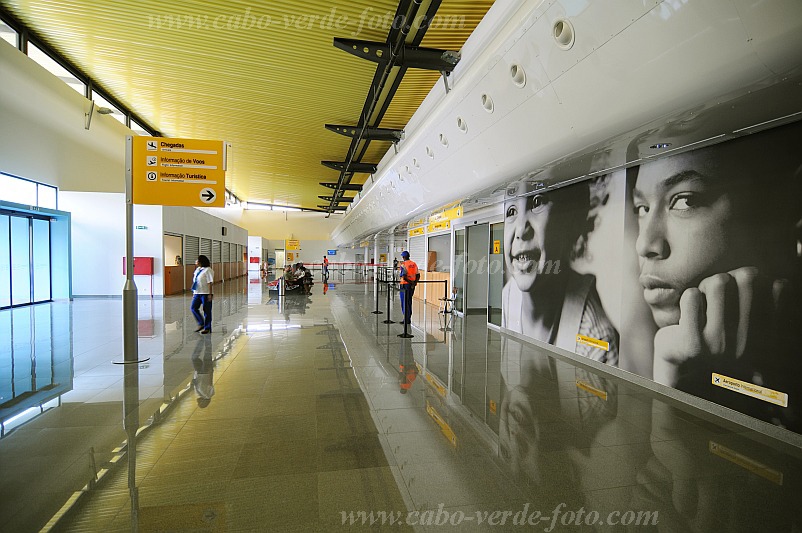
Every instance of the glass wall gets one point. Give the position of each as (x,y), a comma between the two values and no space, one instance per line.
(27,192)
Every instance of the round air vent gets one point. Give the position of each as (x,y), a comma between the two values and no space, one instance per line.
(563,32)
(518,75)
(487,103)
(462,125)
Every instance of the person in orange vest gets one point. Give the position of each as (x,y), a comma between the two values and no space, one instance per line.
(409,278)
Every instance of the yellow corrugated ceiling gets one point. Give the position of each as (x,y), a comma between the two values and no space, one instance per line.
(261,75)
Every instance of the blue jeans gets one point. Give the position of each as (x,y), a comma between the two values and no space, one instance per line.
(406,301)
(205,300)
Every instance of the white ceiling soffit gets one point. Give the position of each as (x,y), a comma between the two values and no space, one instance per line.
(521,101)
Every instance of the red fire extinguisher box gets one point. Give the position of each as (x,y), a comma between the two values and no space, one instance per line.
(143,266)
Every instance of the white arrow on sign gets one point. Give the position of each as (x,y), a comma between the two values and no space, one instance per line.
(207,195)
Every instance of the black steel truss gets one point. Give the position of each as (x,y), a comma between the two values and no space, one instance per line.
(340,200)
(343,166)
(370,134)
(409,56)
(342,187)
(400,37)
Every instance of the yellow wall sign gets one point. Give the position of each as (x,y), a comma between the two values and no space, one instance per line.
(440,421)
(587,387)
(750,389)
(189,172)
(439,226)
(590,341)
(745,462)
(292,245)
(415,232)
(416,223)
(382,258)
(364,244)
(448,214)
(290,257)
(496,247)
(493,406)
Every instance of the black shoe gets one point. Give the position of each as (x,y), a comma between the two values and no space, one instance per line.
(205,331)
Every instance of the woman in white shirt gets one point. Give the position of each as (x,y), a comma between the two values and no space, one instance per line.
(202,282)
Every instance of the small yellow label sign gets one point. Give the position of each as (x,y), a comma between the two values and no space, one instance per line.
(290,257)
(496,247)
(493,406)
(292,245)
(415,232)
(439,226)
(168,171)
(750,389)
(590,341)
(382,258)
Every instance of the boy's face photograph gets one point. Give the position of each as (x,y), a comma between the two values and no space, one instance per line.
(689,228)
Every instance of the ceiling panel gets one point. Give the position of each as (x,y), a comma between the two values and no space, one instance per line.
(263,76)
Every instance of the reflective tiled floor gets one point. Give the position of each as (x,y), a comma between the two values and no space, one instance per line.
(319,411)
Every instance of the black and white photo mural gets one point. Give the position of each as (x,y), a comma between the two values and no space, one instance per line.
(685,269)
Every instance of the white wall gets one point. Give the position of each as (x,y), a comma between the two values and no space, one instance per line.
(256,248)
(280,225)
(42,133)
(202,223)
(98,243)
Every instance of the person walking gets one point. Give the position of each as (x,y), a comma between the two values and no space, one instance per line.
(409,278)
(202,281)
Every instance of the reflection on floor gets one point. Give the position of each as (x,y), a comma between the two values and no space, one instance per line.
(299,413)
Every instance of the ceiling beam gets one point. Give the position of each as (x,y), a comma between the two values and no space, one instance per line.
(344,166)
(345,187)
(370,134)
(408,56)
(407,29)
(340,200)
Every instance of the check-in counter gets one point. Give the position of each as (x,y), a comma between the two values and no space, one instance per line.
(432,292)
(174,280)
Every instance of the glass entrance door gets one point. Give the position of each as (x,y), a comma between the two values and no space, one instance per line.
(5,261)
(460,257)
(495,271)
(478,242)
(25,263)
(20,261)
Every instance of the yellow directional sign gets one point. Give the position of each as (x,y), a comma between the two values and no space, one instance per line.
(169,171)
(438,226)
(292,245)
(448,214)
(496,247)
